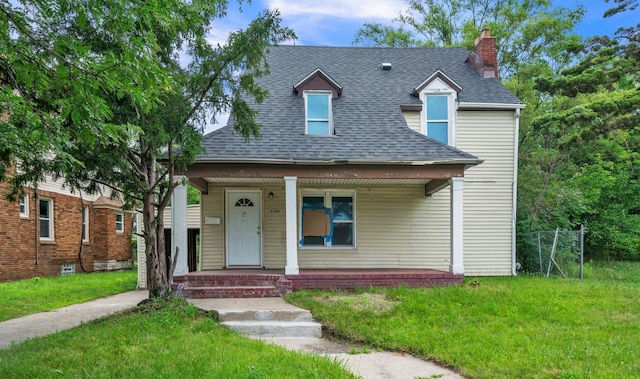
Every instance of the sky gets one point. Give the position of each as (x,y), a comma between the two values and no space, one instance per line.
(335,22)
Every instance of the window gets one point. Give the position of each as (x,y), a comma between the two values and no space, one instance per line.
(327,219)
(46,219)
(318,113)
(119,223)
(85,224)
(24,206)
(438,117)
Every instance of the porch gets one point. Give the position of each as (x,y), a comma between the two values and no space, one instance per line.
(275,283)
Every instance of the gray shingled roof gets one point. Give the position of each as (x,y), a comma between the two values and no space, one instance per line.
(368,122)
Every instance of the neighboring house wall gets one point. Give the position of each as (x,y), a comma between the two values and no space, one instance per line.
(23,254)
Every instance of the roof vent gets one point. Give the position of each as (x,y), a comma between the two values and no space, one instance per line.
(386,66)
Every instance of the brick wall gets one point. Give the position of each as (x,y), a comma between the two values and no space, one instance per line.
(24,255)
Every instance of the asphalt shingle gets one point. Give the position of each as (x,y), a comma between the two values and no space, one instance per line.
(368,122)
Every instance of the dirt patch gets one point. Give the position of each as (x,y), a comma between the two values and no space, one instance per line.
(374,302)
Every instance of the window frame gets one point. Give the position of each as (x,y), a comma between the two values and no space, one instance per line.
(329,118)
(328,195)
(85,223)
(23,206)
(119,230)
(50,219)
(451,96)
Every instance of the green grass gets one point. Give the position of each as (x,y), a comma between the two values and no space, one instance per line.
(159,340)
(521,327)
(25,297)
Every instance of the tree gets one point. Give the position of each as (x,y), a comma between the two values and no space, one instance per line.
(96,92)
(527,32)
(591,137)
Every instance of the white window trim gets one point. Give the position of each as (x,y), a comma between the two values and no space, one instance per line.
(52,235)
(306,118)
(24,214)
(121,223)
(327,194)
(85,223)
(451,111)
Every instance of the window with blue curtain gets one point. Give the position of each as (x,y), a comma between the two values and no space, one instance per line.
(438,117)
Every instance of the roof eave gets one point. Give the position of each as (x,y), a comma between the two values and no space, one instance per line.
(409,162)
(497,106)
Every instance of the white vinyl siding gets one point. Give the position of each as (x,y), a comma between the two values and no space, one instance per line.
(488,191)
(193,217)
(396,226)
(413,120)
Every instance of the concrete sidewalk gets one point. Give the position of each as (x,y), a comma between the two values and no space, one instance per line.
(40,324)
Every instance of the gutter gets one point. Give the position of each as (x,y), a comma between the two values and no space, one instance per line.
(467,105)
(515,191)
(337,162)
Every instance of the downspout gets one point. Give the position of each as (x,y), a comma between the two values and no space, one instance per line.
(516,139)
(36,220)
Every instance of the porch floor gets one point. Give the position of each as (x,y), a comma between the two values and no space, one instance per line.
(248,282)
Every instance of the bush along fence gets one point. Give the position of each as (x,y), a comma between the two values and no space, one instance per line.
(553,253)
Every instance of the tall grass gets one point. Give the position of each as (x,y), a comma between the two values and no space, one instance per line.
(161,340)
(24,297)
(522,327)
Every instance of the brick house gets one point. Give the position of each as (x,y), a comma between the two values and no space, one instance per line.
(55,230)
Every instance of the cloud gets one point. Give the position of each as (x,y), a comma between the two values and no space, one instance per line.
(350,9)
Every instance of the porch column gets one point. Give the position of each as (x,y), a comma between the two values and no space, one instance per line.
(457,218)
(179,226)
(291,267)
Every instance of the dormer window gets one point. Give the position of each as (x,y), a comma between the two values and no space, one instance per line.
(438,94)
(437,116)
(318,90)
(318,113)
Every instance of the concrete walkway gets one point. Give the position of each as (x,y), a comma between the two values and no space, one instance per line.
(374,365)
(40,324)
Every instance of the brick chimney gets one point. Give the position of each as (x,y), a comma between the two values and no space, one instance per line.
(484,56)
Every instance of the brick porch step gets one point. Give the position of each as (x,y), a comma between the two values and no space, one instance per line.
(231,292)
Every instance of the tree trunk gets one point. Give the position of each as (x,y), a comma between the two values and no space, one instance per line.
(157,272)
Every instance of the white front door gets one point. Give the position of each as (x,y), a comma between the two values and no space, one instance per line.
(243,228)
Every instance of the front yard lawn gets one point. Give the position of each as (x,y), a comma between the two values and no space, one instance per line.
(29,296)
(513,327)
(159,340)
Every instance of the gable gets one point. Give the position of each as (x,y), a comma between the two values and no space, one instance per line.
(317,80)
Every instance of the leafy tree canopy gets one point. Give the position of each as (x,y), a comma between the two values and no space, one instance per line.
(116,93)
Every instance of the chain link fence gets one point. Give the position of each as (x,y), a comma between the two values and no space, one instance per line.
(553,253)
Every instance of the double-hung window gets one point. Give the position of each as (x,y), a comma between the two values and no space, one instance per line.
(119,223)
(23,202)
(46,219)
(85,224)
(318,113)
(438,117)
(328,218)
